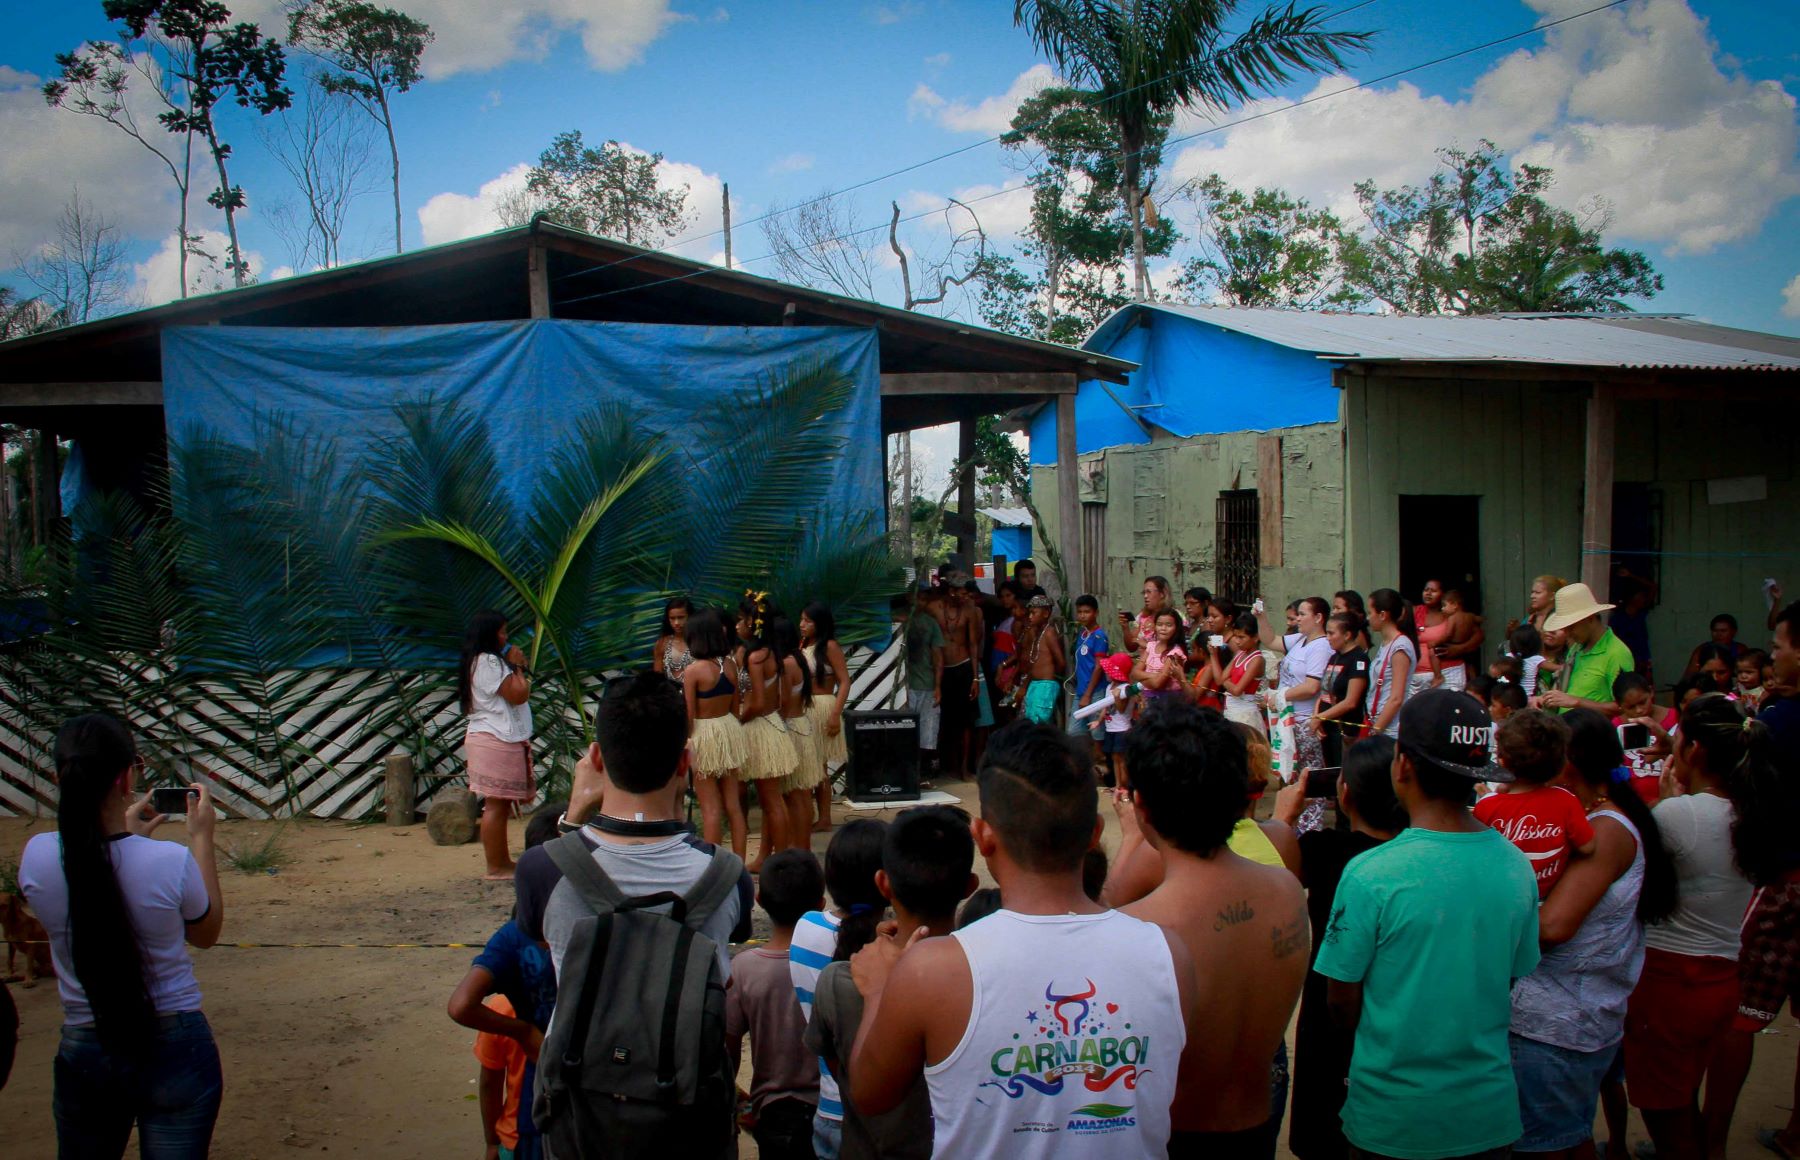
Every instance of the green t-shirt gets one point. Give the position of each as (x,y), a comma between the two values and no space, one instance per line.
(1589,673)
(923,635)
(1436,927)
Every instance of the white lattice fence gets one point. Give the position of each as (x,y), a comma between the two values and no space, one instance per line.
(335,738)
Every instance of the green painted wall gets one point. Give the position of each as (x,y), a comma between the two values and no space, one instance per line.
(1516,445)
(1160,507)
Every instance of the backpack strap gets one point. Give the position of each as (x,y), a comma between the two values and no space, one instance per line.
(575,859)
(715,885)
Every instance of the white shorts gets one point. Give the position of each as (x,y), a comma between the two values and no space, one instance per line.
(919,701)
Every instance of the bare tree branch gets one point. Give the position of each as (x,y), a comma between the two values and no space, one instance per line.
(817,244)
(81,272)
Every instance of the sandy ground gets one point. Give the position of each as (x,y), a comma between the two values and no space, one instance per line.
(349,1050)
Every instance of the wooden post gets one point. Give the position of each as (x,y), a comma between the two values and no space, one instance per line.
(1068,496)
(46,488)
(538,273)
(965,491)
(1597,492)
(725,209)
(401,790)
(1268,495)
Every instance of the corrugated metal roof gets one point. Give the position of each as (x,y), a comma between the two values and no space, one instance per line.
(1581,340)
(1010,517)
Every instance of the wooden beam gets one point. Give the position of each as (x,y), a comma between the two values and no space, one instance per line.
(1068,496)
(1597,491)
(979,383)
(81,394)
(1268,496)
(965,492)
(537,264)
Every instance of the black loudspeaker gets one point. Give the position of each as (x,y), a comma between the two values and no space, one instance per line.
(884,755)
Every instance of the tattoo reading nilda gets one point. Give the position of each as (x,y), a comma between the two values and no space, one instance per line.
(1291,937)
(1235,913)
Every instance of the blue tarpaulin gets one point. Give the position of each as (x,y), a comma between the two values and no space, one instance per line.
(529,381)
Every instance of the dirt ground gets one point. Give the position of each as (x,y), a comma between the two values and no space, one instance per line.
(349,1049)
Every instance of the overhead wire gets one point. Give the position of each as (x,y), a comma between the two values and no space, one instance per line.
(1217,128)
(889,175)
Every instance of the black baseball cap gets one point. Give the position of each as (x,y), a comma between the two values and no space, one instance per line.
(1450,729)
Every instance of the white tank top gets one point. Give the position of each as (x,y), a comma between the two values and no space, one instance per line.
(1074,1038)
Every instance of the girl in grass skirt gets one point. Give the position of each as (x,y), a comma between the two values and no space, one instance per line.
(717,751)
(796,698)
(771,758)
(823,659)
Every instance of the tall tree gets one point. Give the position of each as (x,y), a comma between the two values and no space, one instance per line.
(325,147)
(823,243)
(81,272)
(1264,248)
(1478,237)
(97,80)
(372,53)
(609,190)
(22,316)
(223,61)
(1146,58)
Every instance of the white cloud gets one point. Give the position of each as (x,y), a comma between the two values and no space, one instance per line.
(937,62)
(449,216)
(991,116)
(1003,213)
(1790,298)
(476,37)
(720,15)
(12,78)
(792,163)
(894,13)
(158,277)
(1629,105)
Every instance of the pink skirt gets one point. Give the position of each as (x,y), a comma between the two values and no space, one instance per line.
(499,769)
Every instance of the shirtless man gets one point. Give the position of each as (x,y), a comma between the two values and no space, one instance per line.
(1070,1044)
(1245,926)
(961,684)
(1044,661)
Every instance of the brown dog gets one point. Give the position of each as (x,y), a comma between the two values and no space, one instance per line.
(25,933)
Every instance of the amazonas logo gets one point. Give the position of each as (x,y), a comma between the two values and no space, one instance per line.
(1097,1119)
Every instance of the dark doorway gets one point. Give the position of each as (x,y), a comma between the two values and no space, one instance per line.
(1636,540)
(1440,538)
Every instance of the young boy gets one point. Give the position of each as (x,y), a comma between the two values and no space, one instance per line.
(506,998)
(1044,663)
(1750,668)
(1090,645)
(784,1083)
(927,868)
(1439,920)
(1545,822)
(1507,698)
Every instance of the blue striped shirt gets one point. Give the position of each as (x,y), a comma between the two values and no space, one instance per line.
(815,941)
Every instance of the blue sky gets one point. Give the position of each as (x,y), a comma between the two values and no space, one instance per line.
(1680,113)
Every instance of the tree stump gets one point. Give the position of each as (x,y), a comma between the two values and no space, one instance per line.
(453,818)
(401,790)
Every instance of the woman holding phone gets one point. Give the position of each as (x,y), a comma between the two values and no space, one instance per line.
(121,910)
(494,688)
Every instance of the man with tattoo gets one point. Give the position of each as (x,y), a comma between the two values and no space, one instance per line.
(1426,936)
(1244,924)
(961,682)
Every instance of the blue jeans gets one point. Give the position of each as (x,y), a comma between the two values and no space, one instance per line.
(827,1137)
(171,1093)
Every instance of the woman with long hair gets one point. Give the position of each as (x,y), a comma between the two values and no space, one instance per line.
(1391,668)
(716,748)
(1568,1014)
(1431,625)
(823,658)
(770,757)
(1681,1012)
(1140,631)
(1211,661)
(121,911)
(796,697)
(670,655)
(1540,603)
(494,690)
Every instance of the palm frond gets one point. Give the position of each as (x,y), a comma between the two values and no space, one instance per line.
(1277,46)
(848,565)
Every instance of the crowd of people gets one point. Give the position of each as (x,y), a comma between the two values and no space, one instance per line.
(1499,900)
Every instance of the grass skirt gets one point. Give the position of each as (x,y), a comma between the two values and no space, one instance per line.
(832,750)
(771,749)
(718,747)
(810,770)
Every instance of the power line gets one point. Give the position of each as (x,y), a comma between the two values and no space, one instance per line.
(893,173)
(1232,124)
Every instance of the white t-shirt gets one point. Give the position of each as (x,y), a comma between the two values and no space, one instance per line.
(1382,685)
(164,891)
(1696,831)
(489,712)
(1305,659)
(1528,674)
(1118,718)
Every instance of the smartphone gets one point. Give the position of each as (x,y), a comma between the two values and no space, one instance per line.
(1634,737)
(1322,782)
(170,799)
(1216,640)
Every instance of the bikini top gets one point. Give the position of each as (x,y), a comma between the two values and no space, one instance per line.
(724,687)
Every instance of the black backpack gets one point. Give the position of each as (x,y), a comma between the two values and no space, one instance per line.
(635,1062)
